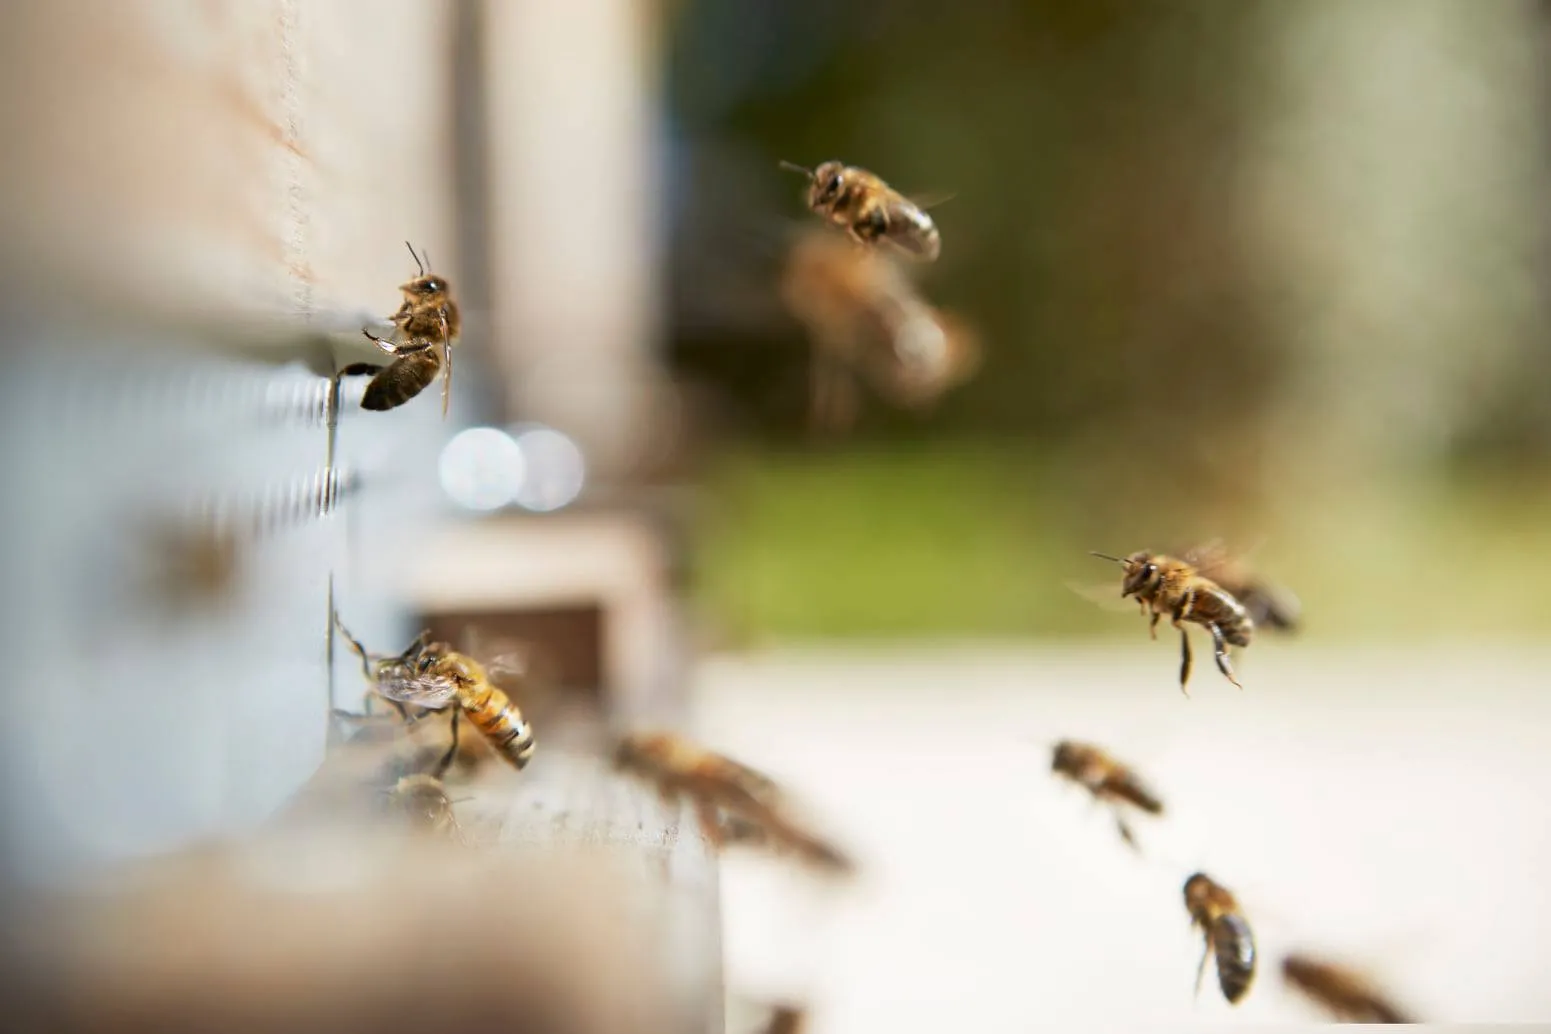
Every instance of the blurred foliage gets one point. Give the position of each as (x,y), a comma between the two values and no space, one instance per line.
(953,539)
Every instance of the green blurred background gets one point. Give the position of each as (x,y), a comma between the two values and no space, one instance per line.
(1267,271)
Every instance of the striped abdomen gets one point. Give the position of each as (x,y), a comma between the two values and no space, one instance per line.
(405,377)
(1125,786)
(494,714)
(1215,605)
(1235,948)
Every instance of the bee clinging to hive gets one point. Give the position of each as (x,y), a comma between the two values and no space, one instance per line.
(434,676)
(1213,909)
(870,210)
(732,801)
(1346,995)
(1165,585)
(1107,779)
(424,328)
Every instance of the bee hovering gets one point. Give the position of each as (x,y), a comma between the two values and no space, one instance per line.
(433,676)
(424,328)
(1108,780)
(870,210)
(1163,584)
(732,801)
(1347,995)
(1215,911)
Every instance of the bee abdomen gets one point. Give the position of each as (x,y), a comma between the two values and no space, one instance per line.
(404,378)
(1235,947)
(495,715)
(1128,788)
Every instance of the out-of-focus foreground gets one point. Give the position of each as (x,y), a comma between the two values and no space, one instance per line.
(1246,272)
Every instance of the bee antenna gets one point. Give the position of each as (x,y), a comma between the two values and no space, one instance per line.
(418,264)
(794,167)
(1106,556)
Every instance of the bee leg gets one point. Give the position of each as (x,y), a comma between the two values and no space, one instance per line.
(452,748)
(350,640)
(1152,626)
(1125,832)
(1220,651)
(1184,659)
(1206,953)
(383,343)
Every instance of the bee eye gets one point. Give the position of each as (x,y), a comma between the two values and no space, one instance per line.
(1149,570)
(832,186)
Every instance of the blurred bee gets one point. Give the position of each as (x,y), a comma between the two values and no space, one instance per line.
(1163,584)
(421,344)
(754,807)
(433,676)
(864,317)
(1269,605)
(1214,910)
(787,1019)
(869,209)
(423,801)
(1347,995)
(1108,780)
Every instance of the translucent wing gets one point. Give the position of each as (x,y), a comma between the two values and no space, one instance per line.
(426,690)
(931,199)
(1106,596)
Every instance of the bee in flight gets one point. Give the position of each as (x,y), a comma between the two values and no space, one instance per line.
(433,676)
(1213,909)
(786,1019)
(423,801)
(1347,995)
(869,209)
(1165,585)
(424,329)
(732,801)
(1269,605)
(865,317)
(1108,780)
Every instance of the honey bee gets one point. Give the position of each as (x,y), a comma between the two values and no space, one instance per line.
(787,1019)
(423,801)
(1270,606)
(421,344)
(1107,779)
(433,676)
(1163,584)
(868,209)
(1214,910)
(754,807)
(1347,995)
(864,316)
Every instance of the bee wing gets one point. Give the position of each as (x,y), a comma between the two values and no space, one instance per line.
(1107,596)
(931,199)
(425,690)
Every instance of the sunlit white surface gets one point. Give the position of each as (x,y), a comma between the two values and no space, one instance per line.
(1388,808)
(483,468)
(556,470)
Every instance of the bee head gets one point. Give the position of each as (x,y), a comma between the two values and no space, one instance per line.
(1198,891)
(1063,757)
(428,289)
(828,181)
(1141,572)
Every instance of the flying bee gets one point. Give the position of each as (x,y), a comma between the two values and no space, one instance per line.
(869,209)
(1108,780)
(864,317)
(786,1019)
(433,676)
(423,801)
(1347,995)
(1271,606)
(1163,584)
(424,328)
(1227,933)
(754,807)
